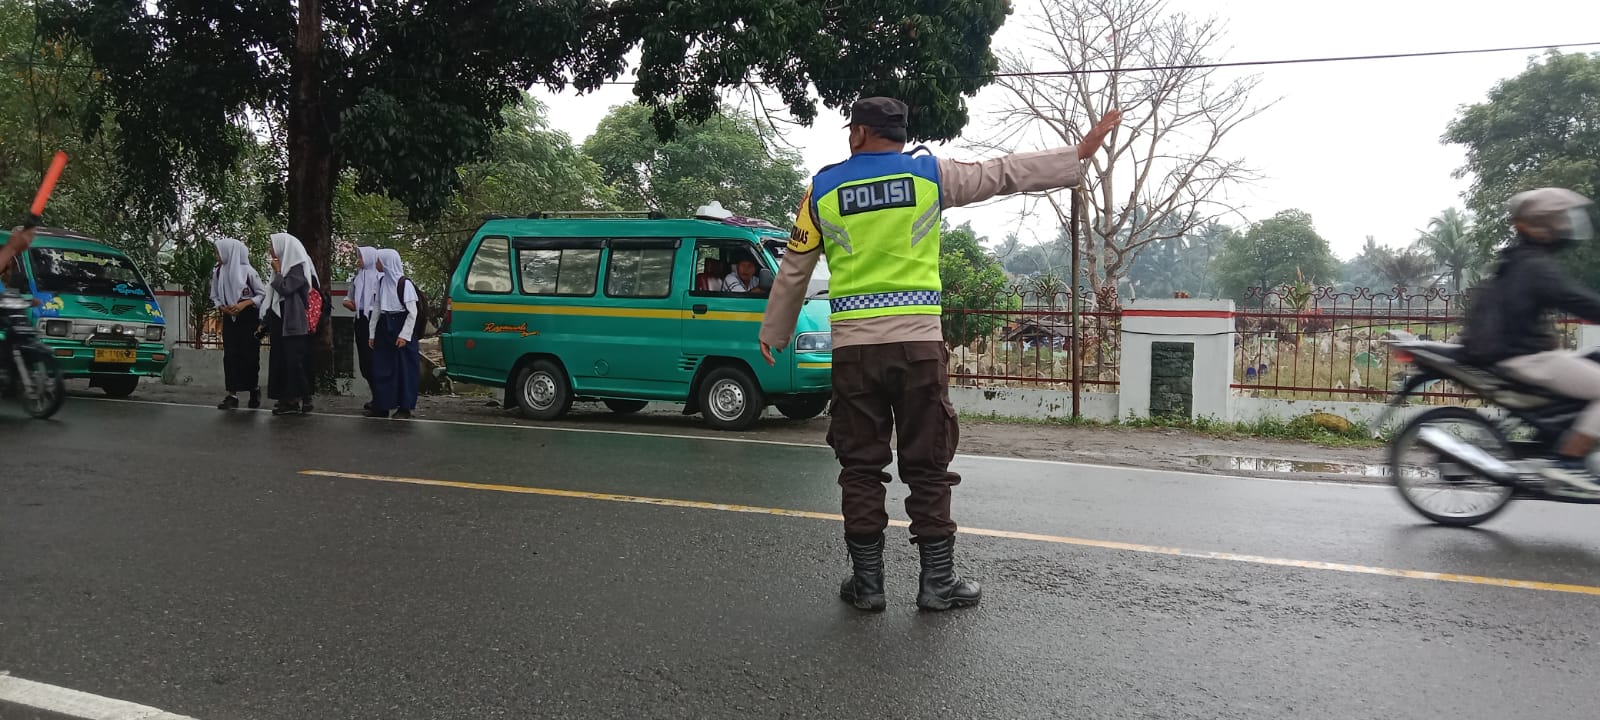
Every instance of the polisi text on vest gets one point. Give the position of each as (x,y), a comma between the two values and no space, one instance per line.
(880,195)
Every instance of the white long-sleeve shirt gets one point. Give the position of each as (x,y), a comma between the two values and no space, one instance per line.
(405,330)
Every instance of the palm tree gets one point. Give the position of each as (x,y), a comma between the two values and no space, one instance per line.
(1361,271)
(1008,248)
(1408,268)
(1449,240)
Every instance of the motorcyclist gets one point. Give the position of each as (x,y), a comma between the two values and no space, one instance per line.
(15,245)
(1508,325)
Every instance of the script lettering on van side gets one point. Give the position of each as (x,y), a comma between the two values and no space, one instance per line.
(490,327)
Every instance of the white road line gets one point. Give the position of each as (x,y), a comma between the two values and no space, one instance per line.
(782,443)
(73,703)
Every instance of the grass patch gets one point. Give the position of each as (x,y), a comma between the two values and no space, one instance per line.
(1303,429)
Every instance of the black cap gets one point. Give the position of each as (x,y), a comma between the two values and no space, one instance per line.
(879,112)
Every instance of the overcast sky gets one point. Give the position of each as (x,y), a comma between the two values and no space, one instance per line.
(1356,144)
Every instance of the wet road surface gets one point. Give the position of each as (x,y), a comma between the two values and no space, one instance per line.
(183,559)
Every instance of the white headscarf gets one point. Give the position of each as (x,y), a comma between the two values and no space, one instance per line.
(233,276)
(365,282)
(388,299)
(290,253)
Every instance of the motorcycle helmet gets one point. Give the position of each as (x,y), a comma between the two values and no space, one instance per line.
(1554,216)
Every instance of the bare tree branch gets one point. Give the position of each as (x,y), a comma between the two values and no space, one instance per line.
(1163,172)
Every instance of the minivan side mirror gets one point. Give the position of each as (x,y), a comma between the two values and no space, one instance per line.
(767,277)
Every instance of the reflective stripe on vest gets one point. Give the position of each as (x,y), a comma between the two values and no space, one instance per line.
(879,218)
(911,298)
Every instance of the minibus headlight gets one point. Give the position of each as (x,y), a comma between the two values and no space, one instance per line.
(814,342)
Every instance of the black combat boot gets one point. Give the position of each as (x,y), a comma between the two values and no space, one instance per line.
(941,588)
(864,587)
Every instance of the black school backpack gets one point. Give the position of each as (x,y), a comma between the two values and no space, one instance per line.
(420,328)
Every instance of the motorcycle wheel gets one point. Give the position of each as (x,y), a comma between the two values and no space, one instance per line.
(49,389)
(1443,491)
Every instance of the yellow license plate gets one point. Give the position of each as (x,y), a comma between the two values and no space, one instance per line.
(115,355)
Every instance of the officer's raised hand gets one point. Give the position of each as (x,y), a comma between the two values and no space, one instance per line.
(1091,142)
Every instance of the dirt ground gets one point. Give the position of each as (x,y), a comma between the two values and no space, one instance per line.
(1166,449)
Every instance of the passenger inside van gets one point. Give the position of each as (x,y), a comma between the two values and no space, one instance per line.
(744,278)
(710,278)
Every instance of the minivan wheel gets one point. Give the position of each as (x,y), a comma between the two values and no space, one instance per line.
(117,386)
(625,407)
(543,392)
(730,399)
(802,408)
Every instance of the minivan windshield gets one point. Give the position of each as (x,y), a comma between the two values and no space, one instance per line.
(819,277)
(86,272)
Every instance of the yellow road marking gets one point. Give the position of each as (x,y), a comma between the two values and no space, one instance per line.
(1008,534)
(611,312)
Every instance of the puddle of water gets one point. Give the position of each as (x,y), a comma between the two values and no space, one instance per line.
(1255,464)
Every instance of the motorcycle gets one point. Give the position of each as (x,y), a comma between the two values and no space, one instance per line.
(29,371)
(1458,466)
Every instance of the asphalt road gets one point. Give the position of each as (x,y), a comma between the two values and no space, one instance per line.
(182,558)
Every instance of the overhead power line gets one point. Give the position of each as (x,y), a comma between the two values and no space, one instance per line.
(1065,73)
(1196,66)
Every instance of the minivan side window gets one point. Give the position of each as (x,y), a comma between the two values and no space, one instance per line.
(640,272)
(490,272)
(559,271)
(715,260)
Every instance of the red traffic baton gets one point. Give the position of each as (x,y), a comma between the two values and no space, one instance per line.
(36,212)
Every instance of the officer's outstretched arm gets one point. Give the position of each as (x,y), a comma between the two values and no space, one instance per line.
(965,183)
(788,294)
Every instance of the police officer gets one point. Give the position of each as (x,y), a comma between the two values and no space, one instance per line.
(877,216)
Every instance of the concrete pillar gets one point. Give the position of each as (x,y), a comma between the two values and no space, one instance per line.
(1164,340)
(1588,337)
(174,304)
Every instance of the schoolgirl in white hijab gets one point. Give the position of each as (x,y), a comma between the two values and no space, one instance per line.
(363,289)
(396,362)
(289,293)
(237,291)
(288,253)
(234,282)
(390,297)
(365,282)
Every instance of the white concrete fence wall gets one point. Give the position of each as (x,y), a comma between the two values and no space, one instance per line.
(1209,326)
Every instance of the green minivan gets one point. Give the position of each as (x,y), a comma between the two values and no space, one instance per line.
(629,311)
(93,308)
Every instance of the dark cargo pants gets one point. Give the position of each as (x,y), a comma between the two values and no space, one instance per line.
(899,389)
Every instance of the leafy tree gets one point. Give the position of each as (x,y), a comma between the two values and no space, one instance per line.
(724,159)
(46,104)
(1451,243)
(974,286)
(43,97)
(403,94)
(190,267)
(1361,271)
(1180,264)
(529,166)
(1410,268)
(1054,257)
(1282,249)
(1538,129)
